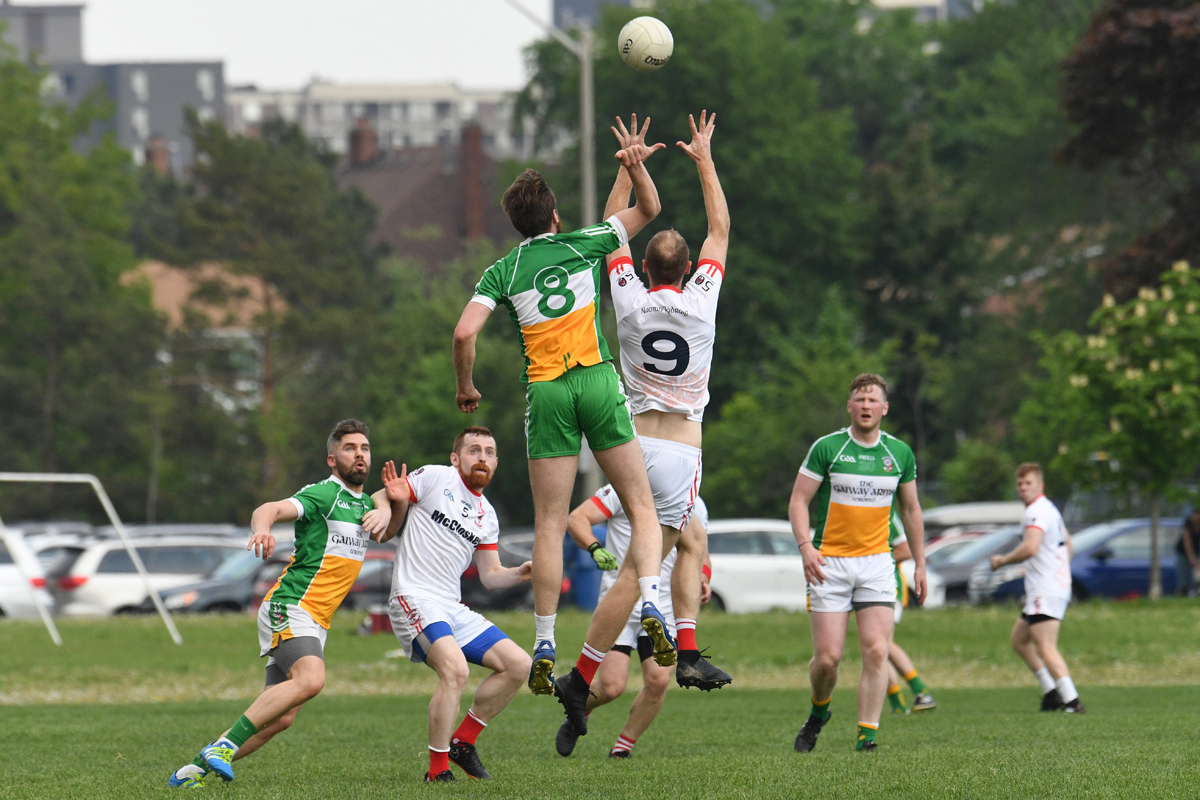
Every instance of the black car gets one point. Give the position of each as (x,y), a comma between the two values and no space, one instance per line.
(956,570)
(230,587)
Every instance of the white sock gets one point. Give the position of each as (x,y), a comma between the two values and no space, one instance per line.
(1045,680)
(545,628)
(226,742)
(190,769)
(1066,688)
(649,588)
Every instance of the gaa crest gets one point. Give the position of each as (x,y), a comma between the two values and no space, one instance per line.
(888,464)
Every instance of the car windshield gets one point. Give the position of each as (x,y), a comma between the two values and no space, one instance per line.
(1090,537)
(237,567)
(943,554)
(983,547)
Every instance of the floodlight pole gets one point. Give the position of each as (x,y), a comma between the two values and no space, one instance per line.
(582,50)
(111,511)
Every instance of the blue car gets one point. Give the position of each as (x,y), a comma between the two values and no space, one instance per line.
(1111,560)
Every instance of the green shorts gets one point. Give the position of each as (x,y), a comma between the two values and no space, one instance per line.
(583,401)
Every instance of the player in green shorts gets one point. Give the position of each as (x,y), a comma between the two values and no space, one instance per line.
(550,287)
(295,615)
(898,661)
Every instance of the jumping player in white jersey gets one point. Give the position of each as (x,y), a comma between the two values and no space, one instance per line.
(450,523)
(667,334)
(613,674)
(1046,551)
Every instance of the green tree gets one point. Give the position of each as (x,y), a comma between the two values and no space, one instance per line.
(979,471)
(77,344)
(1122,405)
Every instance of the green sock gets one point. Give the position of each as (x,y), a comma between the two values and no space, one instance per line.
(896,699)
(821,710)
(915,683)
(865,734)
(201,763)
(242,730)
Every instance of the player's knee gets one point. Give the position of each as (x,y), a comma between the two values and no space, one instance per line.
(827,662)
(455,675)
(875,654)
(310,683)
(656,682)
(609,687)
(517,664)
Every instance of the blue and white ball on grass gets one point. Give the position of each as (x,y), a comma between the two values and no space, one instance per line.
(645,44)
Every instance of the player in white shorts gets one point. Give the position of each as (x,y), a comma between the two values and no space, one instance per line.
(855,476)
(899,662)
(1046,552)
(667,334)
(605,506)
(449,523)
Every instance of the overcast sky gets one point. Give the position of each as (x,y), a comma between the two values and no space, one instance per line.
(284,43)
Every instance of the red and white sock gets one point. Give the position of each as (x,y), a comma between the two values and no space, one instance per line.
(589,662)
(686,634)
(439,762)
(469,730)
(624,745)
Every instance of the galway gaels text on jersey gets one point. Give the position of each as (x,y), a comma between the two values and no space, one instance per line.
(447,522)
(667,337)
(330,547)
(550,284)
(852,511)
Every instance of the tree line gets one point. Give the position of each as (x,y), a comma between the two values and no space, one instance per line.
(947,204)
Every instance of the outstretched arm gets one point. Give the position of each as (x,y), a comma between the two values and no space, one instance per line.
(632,154)
(262,541)
(473,318)
(618,198)
(495,576)
(716,244)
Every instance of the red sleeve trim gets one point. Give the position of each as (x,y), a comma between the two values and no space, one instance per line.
(492,546)
(603,508)
(1035,527)
(707,570)
(412,496)
(618,262)
(713,267)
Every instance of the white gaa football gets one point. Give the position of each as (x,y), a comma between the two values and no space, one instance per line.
(645,44)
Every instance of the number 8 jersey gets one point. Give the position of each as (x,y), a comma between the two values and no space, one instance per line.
(666,337)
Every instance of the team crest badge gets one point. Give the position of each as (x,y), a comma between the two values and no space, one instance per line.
(888,464)
(621,281)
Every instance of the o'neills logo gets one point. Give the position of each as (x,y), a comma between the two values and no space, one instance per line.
(453,526)
(655,62)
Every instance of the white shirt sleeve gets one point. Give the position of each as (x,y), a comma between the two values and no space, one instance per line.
(627,289)
(421,481)
(619,227)
(704,284)
(299,508)
(608,501)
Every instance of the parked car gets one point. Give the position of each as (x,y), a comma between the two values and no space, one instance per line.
(968,517)
(16,594)
(935,589)
(372,588)
(957,568)
(756,566)
(103,580)
(515,548)
(1111,560)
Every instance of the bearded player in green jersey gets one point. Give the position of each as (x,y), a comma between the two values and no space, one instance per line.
(550,286)
(294,618)
(855,474)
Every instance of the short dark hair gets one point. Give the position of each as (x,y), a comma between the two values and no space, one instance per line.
(667,257)
(346,426)
(477,430)
(1028,467)
(529,204)
(868,379)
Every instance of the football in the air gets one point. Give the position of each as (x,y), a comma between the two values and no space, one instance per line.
(645,44)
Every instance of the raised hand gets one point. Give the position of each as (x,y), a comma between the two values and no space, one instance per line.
(624,137)
(467,400)
(700,148)
(637,153)
(396,484)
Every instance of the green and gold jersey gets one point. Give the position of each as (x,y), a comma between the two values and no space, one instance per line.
(858,485)
(550,285)
(330,547)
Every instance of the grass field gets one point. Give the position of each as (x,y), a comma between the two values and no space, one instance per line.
(119,705)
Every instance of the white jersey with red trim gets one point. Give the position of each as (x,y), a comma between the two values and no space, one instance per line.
(447,522)
(666,337)
(1048,572)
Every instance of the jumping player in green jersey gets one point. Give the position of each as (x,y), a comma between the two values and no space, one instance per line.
(855,474)
(898,661)
(550,286)
(294,618)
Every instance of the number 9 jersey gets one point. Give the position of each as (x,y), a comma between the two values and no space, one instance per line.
(666,337)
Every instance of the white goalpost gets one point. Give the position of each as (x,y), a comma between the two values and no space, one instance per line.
(94,482)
